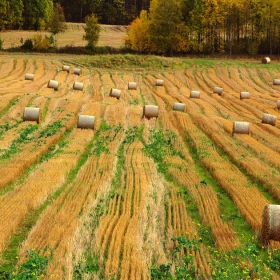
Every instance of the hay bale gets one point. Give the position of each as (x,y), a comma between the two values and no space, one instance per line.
(132,85)
(85,121)
(218,90)
(159,82)
(241,127)
(53,84)
(278,104)
(78,86)
(179,106)
(266,60)
(66,68)
(31,114)
(270,224)
(195,94)
(115,93)
(150,111)
(29,76)
(276,82)
(269,119)
(244,95)
(77,71)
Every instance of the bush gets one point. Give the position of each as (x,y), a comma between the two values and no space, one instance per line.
(40,43)
(1,44)
(27,45)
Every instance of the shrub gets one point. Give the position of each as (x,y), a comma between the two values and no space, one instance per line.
(41,43)
(1,43)
(27,45)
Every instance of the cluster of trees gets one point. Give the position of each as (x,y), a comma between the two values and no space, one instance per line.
(207,26)
(35,14)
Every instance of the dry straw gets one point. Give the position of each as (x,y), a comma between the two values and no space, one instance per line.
(278,104)
(31,114)
(266,60)
(66,68)
(159,82)
(115,93)
(132,85)
(29,76)
(195,94)
(150,111)
(85,121)
(78,86)
(244,95)
(179,107)
(270,224)
(53,84)
(276,82)
(218,90)
(241,127)
(269,119)
(77,71)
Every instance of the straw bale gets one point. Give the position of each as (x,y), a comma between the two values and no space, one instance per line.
(66,68)
(241,127)
(244,95)
(218,90)
(150,111)
(53,84)
(78,86)
(266,60)
(85,121)
(115,93)
(29,76)
(132,85)
(159,82)
(276,82)
(278,104)
(31,114)
(270,224)
(77,71)
(195,94)
(269,119)
(179,106)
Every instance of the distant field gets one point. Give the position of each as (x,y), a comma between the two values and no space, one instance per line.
(137,198)
(110,35)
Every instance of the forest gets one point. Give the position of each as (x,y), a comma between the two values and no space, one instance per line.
(184,26)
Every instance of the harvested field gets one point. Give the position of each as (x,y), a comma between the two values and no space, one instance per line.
(138,198)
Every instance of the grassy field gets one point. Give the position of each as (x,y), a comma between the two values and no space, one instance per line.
(136,198)
(110,35)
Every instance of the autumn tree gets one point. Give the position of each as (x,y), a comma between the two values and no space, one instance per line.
(92,30)
(166,25)
(57,22)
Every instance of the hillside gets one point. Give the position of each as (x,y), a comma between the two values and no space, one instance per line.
(137,198)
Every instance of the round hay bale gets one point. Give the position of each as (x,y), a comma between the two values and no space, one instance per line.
(115,93)
(132,85)
(53,84)
(29,76)
(78,86)
(278,104)
(266,60)
(276,82)
(241,127)
(150,111)
(159,82)
(195,94)
(244,95)
(66,68)
(269,119)
(85,121)
(218,90)
(179,107)
(270,224)
(77,71)
(31,114)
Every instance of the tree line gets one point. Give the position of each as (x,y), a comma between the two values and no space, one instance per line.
(207,26)
(165,26)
